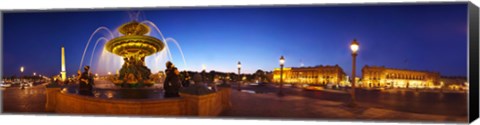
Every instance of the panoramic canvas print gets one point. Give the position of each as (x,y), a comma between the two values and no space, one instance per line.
(404,62)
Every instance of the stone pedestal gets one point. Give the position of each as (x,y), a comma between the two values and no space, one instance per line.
(211,104)
(84,105)
(51,96)
(207,105)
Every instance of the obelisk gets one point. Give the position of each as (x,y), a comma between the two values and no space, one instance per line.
(63,73)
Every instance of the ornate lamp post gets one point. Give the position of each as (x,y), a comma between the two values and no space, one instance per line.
(282,61)
(21,71)
(21,75)
(34,77)
(239,66)
(354,46)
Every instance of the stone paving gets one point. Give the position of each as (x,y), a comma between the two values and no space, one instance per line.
(249,105)
(29,100)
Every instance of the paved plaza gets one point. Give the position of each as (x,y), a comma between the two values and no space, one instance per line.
(247,104)
(29,100)
(435,103)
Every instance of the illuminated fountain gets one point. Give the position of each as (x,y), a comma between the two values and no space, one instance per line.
(126,64)
(129,51)
(134,46)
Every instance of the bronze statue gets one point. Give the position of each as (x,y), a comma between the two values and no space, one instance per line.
(172,81)
(86,82)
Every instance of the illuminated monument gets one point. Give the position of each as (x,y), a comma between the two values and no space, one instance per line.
(134,46)
(63,73)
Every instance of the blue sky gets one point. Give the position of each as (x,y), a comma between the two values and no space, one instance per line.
(418,37)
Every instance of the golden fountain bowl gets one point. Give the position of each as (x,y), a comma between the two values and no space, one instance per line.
(134,28)
(134,45)
(134,42)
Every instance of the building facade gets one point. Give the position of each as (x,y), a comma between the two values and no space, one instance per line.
(311,75)
(454,83)
(380,76)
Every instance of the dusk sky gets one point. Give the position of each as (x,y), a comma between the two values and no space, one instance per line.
(417,37)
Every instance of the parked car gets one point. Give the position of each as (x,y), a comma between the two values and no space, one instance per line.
(262,84)
(313,87)
(5,85)
(298,85)
(330,86)
(26,85)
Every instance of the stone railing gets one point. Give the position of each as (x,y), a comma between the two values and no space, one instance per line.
(187,105)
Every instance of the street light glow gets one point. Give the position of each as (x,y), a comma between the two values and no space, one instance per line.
(239,65)
(354,46)
(282,60)
(22,69)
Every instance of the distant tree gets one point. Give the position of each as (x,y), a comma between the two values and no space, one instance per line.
(260,75)
(212,75)
(13,77)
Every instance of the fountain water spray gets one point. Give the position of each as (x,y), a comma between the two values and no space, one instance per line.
(179,48)
(95,46)
(89,39)
(159,33)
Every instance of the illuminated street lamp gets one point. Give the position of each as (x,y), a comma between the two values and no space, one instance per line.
(34,74)
(354,46)
(282,61)
(109,73)
(239,66)
(21,71)
(21,75)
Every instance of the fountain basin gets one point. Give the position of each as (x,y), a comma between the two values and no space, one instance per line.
(186,105)
(134,45)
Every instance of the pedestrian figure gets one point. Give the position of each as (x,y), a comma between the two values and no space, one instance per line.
(171,84)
